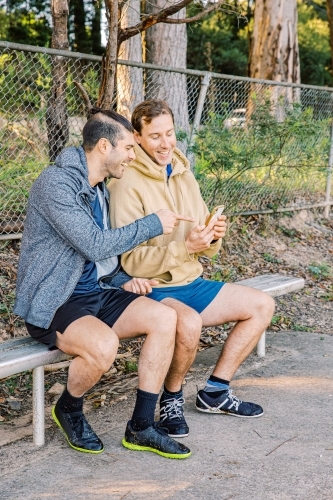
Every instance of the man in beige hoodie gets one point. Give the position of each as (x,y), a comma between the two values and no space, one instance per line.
(160,177)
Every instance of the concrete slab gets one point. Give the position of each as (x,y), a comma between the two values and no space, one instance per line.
(284,455)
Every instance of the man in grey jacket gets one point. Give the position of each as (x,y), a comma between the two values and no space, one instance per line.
(73,294)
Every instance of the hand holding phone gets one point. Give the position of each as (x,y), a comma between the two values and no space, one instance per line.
(215,213)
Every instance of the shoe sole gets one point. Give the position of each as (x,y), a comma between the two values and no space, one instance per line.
(138,447)
(219,412)
(68,441)
(177,435)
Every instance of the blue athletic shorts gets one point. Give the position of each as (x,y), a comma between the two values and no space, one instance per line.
(198,294)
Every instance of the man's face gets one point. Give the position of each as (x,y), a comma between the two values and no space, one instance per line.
(116,159)
(158,139)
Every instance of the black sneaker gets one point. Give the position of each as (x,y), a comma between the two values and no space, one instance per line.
(227,403)
(156,440)
(78,432)
(172,416)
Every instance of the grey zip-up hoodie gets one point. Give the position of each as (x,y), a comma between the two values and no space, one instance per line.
(60,234)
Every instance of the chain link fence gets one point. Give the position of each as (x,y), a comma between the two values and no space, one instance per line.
(255,146)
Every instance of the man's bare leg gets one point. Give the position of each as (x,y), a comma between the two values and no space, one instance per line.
(158,322)
(253,311)
(94,345)
(189,324)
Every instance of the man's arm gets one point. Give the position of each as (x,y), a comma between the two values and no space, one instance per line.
(56,202)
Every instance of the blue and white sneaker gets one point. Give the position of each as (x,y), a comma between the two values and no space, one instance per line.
(228,404)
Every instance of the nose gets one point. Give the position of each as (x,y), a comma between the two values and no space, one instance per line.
(131,155)
(165,142)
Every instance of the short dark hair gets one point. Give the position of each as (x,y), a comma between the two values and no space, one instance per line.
(147,110)
(104,123)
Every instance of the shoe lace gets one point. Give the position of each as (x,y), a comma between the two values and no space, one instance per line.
(235,402)
(172,409)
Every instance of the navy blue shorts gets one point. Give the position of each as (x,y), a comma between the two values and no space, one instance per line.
(198,294)
(107,306)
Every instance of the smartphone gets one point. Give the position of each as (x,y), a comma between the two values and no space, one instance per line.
(214,214)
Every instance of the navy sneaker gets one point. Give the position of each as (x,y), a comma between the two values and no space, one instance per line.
(78,432)
(172,416)
(226,403)
(156,440)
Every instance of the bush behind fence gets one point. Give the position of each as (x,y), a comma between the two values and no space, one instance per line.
(255,146)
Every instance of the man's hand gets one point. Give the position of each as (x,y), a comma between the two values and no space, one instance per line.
(200,238)
(141,286)
(170,220)
(220,227)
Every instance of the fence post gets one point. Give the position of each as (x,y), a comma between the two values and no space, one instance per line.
(201,101)
(329,177)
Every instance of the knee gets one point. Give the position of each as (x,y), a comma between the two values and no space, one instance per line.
(104,354)
(166,319)
(266,306)
(189,328)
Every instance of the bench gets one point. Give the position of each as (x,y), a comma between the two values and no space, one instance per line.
(25,354)
(274,285)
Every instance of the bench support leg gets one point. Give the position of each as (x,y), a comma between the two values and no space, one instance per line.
(38,406)
(261,346)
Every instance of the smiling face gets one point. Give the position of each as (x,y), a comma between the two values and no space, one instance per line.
(115,160)
(158,139)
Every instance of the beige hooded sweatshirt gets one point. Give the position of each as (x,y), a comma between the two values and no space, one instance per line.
(143,190)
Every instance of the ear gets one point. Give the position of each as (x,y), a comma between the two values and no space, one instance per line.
(102,145)
(137,137)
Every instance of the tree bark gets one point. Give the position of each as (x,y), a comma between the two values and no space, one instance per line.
(274,51)
(130,79)
(166,45)
(56,116)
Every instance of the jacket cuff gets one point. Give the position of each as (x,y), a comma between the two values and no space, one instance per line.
(119,279)
(154,225)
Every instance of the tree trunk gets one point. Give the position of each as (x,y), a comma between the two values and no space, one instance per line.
(109,68)
(130,79)
(56,116)
(166,45)
(274,51)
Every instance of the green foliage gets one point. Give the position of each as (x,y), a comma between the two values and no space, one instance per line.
(313,39)
(25,23)
(320,270)
(29,23)
(218,43)
(269,258)
(131,366)
(265,152)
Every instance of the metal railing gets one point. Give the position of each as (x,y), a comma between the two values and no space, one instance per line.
(244,166)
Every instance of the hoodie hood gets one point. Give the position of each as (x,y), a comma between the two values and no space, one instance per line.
(144,164)
(72,159)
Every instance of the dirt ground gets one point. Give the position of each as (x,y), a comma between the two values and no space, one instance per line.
(284,455)
(296,244)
